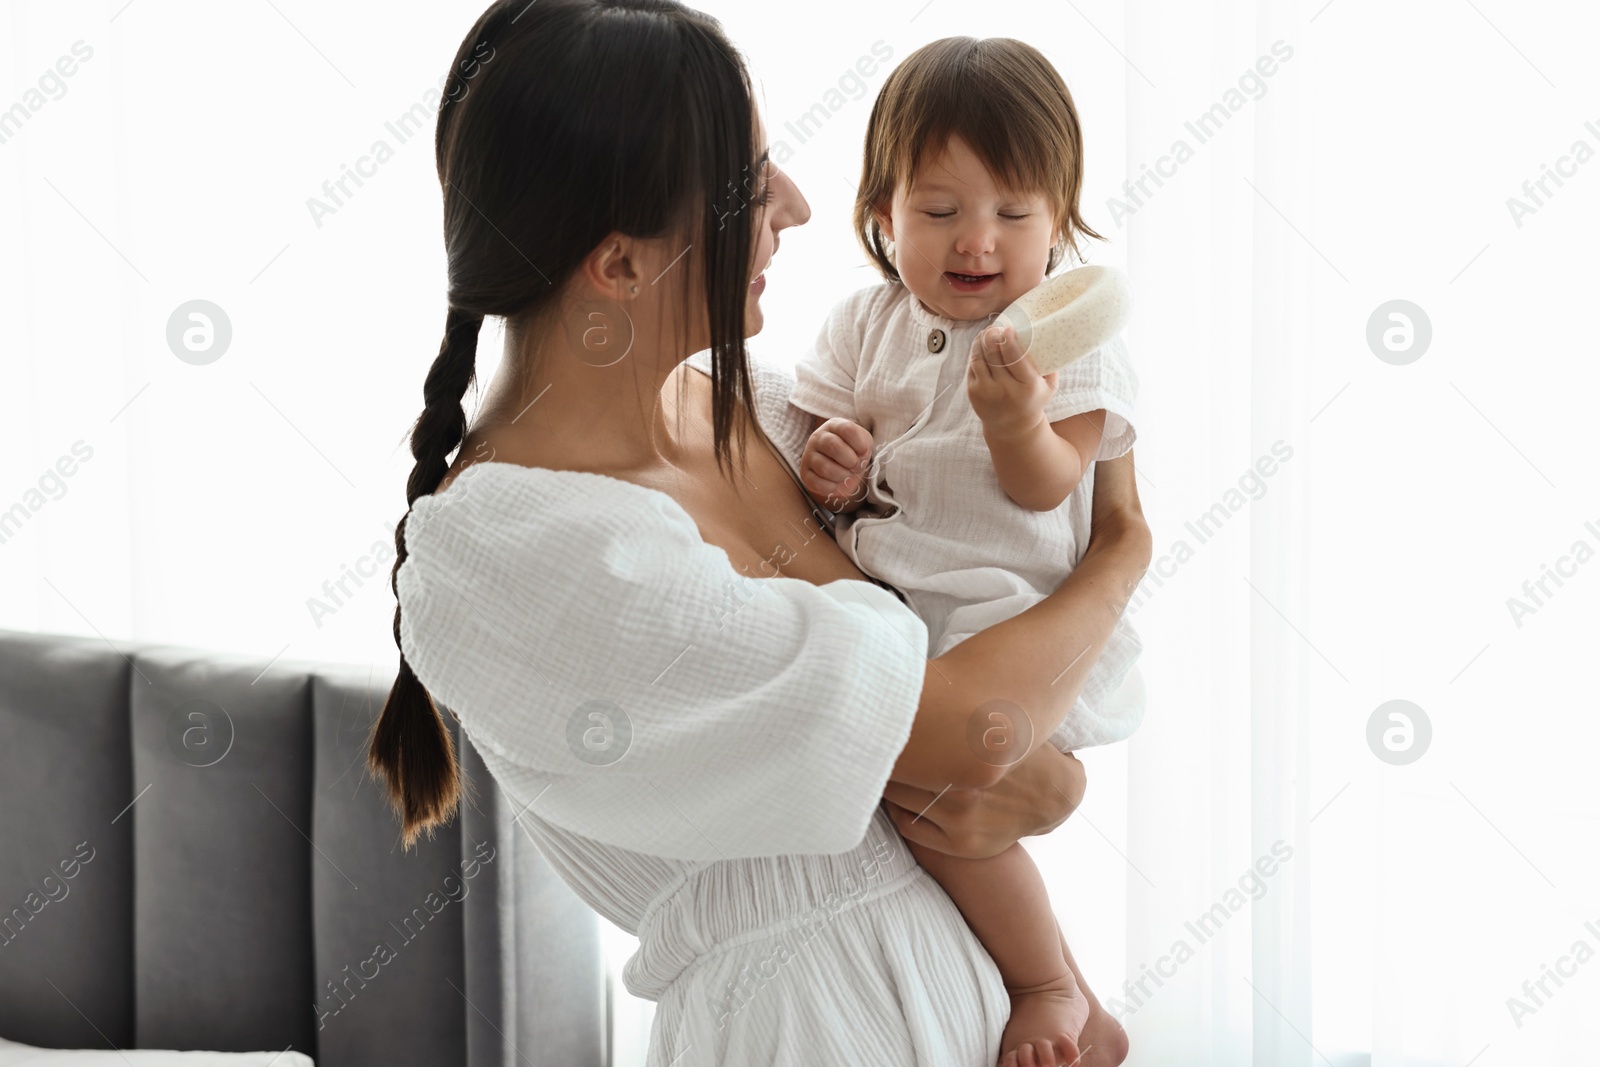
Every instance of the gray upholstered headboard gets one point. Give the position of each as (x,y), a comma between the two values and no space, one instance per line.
(192,856)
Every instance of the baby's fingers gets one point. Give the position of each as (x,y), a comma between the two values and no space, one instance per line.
(978,368)
(843,441)
(828,472)
(1006,353)
(852,434)
(828,489)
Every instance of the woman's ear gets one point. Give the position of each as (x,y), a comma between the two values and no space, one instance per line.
(612,269)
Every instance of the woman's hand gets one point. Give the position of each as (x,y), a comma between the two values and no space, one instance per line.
(1034,797)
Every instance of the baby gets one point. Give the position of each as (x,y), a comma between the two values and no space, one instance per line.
(975,501)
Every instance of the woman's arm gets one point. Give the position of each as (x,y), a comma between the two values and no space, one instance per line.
(1037,660)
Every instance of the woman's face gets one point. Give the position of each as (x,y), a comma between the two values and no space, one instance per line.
(778,205)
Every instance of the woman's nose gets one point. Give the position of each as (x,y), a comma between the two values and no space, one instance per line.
(793,210)
(796,210)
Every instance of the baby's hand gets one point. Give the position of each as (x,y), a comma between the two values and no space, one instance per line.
(834,463)
(1006,389)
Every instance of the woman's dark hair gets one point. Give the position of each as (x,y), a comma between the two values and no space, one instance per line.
(564,121)
(1002,97)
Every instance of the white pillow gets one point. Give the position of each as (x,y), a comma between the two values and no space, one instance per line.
(14,1055)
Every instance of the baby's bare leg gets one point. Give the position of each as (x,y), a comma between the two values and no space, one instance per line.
(1005,902)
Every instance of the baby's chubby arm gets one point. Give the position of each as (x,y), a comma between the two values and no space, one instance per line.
(834,464)
(1039,463)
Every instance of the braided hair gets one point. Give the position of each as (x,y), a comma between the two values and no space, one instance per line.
(562,122)
(410,735)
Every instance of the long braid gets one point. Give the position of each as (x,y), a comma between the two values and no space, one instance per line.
(406,747)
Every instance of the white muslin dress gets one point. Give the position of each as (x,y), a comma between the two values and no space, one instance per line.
(936,523)
(707,779)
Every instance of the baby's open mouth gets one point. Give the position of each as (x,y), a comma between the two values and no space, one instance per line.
(968,282)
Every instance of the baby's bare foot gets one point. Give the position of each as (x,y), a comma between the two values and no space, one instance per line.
(1104,1042)
(1044,1024)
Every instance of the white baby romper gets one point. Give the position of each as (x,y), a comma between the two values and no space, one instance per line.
(707,780)
(936,523)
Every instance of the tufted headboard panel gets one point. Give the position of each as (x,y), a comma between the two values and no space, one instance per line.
(193,856)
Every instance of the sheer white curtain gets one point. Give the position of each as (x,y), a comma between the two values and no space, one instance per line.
(1336,527)
(1219,872)
(1347,491)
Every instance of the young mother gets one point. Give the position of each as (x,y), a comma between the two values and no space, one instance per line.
(668,663)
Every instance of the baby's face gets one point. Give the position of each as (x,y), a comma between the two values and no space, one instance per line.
(965,246)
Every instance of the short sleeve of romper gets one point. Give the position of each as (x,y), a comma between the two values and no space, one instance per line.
(1102,380)
(581,629)
(825,376)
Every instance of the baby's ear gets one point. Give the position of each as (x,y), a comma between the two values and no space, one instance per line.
(885,222)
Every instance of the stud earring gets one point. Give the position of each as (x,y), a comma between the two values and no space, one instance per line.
(633,289)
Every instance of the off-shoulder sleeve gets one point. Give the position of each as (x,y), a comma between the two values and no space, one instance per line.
(825,376)
(1102,380)
(581,629)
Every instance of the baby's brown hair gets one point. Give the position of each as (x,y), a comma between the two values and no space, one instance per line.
(1005,100)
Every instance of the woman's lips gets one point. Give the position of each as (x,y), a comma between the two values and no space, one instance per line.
(759,284)
(969,283)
